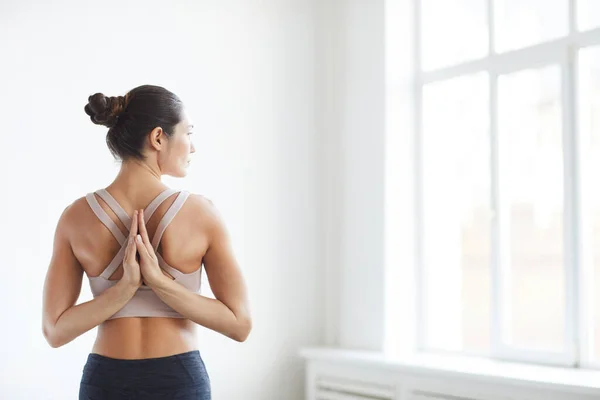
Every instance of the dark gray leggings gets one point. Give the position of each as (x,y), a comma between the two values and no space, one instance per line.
(179,377)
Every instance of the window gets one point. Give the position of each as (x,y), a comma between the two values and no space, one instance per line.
(508,178)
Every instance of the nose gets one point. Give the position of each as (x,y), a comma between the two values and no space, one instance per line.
(192,148)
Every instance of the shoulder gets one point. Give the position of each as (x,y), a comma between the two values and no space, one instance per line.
(204,211)
(76,209)
(202,205)
(200,198)
(71,216)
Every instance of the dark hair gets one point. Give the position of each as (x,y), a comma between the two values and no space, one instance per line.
(131,117)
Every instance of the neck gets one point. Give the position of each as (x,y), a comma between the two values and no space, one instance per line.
(136,177)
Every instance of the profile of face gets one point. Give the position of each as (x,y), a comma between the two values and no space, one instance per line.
(175,152)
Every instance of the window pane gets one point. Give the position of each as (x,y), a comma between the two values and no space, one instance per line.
(531,202)
(589,137)
(522,23)
(453,31)
(456,213)
(588,14)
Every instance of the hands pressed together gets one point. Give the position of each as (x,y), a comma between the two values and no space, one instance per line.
(144,270)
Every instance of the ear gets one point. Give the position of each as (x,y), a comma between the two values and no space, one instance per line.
(157,138)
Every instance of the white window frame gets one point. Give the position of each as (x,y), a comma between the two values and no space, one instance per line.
(564,53)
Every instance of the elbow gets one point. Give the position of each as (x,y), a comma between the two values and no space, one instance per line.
(243,330)
(54,345)
(51,337)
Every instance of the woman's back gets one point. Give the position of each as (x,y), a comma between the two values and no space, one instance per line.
(182,246)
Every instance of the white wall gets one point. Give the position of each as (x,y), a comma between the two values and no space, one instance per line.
(366,113)
(351,115)
(246,70)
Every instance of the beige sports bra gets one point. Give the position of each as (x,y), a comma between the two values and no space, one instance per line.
(145,303)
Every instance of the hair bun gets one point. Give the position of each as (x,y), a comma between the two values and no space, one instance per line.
(105,110)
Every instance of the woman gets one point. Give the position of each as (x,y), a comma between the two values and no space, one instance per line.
(142,246)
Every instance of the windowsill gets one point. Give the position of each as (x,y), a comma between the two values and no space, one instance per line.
(569,380)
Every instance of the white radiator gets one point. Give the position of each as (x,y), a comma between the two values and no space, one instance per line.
(424,395)
(355,376)
(333,388)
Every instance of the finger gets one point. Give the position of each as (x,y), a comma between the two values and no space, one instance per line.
(141,248)
(144,231)
(131,249)
(133,230)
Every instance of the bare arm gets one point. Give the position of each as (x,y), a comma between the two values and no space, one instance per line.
(62,320)
(229,313)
